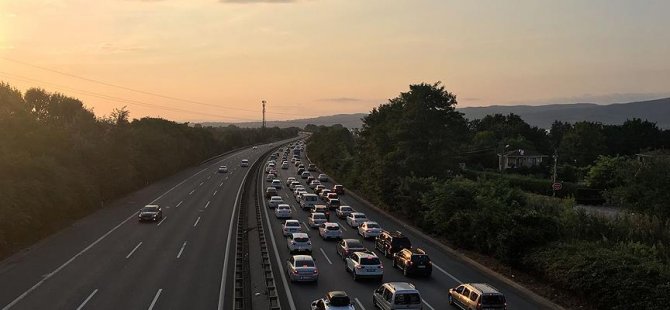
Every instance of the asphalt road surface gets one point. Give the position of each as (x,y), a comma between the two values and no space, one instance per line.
(109,260)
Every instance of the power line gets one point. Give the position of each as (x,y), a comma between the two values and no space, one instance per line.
(131,89)
(123,100)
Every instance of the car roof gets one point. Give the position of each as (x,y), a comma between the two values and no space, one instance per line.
(275,198)
(152,206)
(281,205)
(300,235)
(366,255)
(370,222)
(292,221)
(484,288)
(401,287)
(303,257)
(317,213)
(331,224)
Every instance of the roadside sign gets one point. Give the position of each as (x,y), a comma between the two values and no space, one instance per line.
(557,186)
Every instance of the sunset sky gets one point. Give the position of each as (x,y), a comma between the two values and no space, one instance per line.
(216,60)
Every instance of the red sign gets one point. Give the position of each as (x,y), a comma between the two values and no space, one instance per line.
(557,186)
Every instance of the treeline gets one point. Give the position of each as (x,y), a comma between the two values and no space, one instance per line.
(58,162)
(406,159)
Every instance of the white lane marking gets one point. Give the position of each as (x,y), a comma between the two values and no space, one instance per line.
(427,304)
(324,254)
(207,205)
(182,249)
(201,183)
(448,274)
(209,177)
(294,209)
(230,234)
(307,226)
(216,191)
(153,302)
(191,193)
(196,222)
(134,249)
(179,204)
(68,262)
(226,177)
(343,228)
(221,184)
(161,222)
(289,296)
(359,303)
(87,299)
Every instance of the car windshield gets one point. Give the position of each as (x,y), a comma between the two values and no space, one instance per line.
(301,239)
(407,299)
(340,301)
(333,227)
(420,259)
(369,261)
(346,209)
(304,263)
(149,209)
(355,244)
(289,224)
(493,300)
(319,216)
(373,225)
(401,241)
(359,216)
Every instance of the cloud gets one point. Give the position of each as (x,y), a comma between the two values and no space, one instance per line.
(340,99)
(257,1)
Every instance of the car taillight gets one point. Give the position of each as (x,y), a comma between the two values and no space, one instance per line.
(359,267)
(410,263)
(367,230)
(479,306)
(316,271)
(293,242)
(380,267)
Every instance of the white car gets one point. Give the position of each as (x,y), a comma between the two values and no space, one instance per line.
(244,163)
(344,211)
(299,193)
(305,175)
(294,184)
(330,231)
(316,219)
(276,183)
(289,180)
(283,211)
(364,265)
(356,218)
(291,226)
(369,229)
(307,201)
(223,169)
(323,178)
(269,177)
(302,268)
(275,201)
(314,183)
(284,165)
(299,242)
(298,188)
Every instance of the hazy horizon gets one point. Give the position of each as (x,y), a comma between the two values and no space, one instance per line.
(216,60)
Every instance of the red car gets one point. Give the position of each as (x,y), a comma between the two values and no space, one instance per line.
(339,189)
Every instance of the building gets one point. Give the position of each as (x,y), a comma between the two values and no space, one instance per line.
(520,158)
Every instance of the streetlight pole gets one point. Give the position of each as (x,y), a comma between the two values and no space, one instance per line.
(555,157)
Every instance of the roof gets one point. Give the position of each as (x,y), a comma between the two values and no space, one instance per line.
(300,235)
(523,153)
(401,286)
(485,288)
(302,257)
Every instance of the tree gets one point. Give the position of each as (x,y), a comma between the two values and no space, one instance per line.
(582,144)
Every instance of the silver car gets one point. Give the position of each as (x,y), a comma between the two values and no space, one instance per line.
(302,268)
(299,242)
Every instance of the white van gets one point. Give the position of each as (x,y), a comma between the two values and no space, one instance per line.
(307,201)
(245,163)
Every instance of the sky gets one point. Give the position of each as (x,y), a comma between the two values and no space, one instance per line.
(216,60)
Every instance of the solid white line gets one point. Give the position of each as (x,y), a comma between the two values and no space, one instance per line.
(289,296)
(182,249)
(201,183)
(209,177)
(87,299)
(343,228)
(191,193)
(196,222)
(324,254)
(179,204)
(448,274)
(230,234)
(308,228)
(359,303)
(226,178)
(427,304)
(207,205)
(216,191)
(153,302)
(161,222)
(221,184)
(134,249)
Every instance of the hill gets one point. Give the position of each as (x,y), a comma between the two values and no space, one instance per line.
(543,116)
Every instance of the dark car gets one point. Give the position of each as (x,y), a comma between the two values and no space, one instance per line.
(270,191)
(390,243)
(333,300)
(348,246)
(150,213)
(339,189)
(311,167)
(413,262)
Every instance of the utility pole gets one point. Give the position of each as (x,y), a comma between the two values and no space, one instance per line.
(553,179)
(263,127)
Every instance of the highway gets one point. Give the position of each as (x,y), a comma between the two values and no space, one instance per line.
(448,270)
(108,260)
